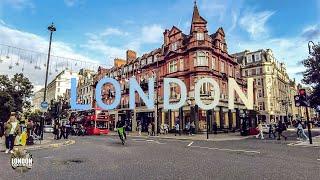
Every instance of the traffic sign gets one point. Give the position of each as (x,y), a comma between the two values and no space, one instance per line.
(44,105)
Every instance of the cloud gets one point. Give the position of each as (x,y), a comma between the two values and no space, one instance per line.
(103,43)
(27,60)
(311,32)
(113,31)
(255,23)
(151,34)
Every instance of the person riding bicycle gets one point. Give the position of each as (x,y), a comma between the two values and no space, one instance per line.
(121,129)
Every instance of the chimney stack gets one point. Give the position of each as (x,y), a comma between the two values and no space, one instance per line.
(166,37)
(131,55)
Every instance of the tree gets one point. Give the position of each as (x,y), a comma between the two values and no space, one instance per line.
(312,75)
(19,88)
(7,105)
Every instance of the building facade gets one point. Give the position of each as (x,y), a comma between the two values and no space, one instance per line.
(37,99)
(85,87)
(272,84)
(189,57)
(58,86)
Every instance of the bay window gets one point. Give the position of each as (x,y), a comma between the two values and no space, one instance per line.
(201,59)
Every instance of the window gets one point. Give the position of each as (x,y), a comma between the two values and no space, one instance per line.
(253,71)
(200,36)
(260,93)
(213,63)
(143,62)
(222,67)
(174,46)
(205,89)
(201,59)
(149,60)
(173,67)
(249,59)
(257,57)
(181,65)
(155,58)
(258,71)
(259,81)
(230,70)
(261,106)
(253,59)
(173,91)
(58,90)
(130,68)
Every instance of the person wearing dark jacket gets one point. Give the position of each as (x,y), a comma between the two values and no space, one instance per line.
(281,127)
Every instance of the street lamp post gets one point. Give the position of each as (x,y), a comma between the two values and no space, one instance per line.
(52,29)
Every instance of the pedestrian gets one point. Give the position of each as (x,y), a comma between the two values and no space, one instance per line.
(188,128)
(56,130)
(260,129)
(153,126)
(281,128)
(12,129)
(63,131)
(177,127)
(68,129)
(139,128)
(166,128)
(214,127)
(300,131)
(149,129)
(272,130)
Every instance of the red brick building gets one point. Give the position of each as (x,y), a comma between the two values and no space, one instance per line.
(188,57)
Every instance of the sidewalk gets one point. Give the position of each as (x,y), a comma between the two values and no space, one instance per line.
(48,142)
(196,137)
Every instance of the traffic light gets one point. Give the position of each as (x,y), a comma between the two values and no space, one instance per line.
(301,99)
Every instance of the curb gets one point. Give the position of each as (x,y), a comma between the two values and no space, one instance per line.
(187,139)
(55,145)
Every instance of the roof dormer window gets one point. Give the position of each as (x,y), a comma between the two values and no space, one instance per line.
(174,46)
(200,36)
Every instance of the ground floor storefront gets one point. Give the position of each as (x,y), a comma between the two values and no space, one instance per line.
(217,119)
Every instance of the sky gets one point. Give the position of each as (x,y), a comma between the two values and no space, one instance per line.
(99,31)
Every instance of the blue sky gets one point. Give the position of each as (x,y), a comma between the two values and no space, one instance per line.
(97,30)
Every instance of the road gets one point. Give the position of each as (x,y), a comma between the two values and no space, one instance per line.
(104,157)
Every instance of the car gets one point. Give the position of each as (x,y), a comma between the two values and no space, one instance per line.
(265,128)
(47,129)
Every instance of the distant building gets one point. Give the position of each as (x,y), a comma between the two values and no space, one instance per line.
(85,87)
(58,86)
(37,99)
(271,83)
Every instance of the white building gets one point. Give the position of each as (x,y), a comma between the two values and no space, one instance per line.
(37,99)
(59,85)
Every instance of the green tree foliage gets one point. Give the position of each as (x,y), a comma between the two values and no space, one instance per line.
(7,105)
(312,75)
(19,88)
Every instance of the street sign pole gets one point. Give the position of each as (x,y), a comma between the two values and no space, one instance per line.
(309,128)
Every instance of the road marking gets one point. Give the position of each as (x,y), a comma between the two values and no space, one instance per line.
(224,149)
(318,159)
(190,144)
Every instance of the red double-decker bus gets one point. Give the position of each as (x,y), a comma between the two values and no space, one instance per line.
(96,121)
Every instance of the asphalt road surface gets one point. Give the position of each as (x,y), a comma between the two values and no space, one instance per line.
(104,157)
